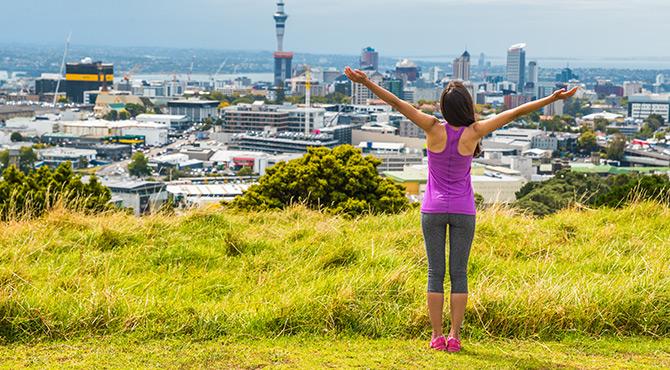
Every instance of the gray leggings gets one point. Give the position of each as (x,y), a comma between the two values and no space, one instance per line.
(461,233)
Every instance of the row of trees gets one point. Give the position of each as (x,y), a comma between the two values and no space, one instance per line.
(567,188)
(28,195)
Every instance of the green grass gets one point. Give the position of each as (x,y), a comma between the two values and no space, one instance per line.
(319,353)
(210,276)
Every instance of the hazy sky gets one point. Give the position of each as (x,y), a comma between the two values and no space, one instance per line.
(551,28)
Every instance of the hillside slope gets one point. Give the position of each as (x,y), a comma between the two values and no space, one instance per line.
(211,274)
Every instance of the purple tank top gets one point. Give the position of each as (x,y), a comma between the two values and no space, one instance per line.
(449,186)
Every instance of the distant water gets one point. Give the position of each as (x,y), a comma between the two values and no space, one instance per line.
(557,62)
(255,77)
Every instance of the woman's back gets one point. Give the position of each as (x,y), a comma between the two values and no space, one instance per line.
(449,186)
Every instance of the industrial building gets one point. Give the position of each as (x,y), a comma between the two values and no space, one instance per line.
(79,158)
(287,142)
(85,76)
(141,196)
(195,110)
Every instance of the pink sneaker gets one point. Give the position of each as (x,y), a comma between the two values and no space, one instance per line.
(453,345)
(439,343)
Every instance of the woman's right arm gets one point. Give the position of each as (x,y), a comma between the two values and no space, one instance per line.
(425,121)
(485,127)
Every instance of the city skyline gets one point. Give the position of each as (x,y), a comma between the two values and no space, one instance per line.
(215,24)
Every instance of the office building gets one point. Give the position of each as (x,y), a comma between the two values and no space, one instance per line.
(632,88)
(195,110)
(286,142)
(514,100)
(516,65)
(409,129)
(407,70)
(394,85)
(606,88)
(85,76)
(482,60)
(554,109)
(361,94)
(533,72)
(462,67)
(254,117)
(566,75)
(369,59)
(641,106)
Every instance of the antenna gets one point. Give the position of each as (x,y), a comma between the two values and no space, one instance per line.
(62,67)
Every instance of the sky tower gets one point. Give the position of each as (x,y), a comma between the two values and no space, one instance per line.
(282,58)
(280,21)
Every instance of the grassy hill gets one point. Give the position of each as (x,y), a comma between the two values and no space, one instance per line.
(215,275)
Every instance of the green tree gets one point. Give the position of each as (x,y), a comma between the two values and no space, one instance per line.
(340,180)
(626,188)
(245,171)
(567,187)
(139,165)
(615,150)
(30,195)
(587,141)
(27,159)
(112,115)
(135,109)
(15,137)
(124,115)
(600,124)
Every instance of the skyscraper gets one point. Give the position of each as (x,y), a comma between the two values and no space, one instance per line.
(482,60)
(533,72)
(516,65)
(283,59)
(462,67)
(369,59)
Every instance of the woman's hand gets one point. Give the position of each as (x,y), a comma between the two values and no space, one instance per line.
(562,94)
(356,75)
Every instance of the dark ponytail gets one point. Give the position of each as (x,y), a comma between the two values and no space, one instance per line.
(457,107)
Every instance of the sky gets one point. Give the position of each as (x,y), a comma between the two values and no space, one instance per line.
(414,28)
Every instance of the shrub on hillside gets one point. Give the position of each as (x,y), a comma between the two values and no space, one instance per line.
(567,188)
(31,195)
(340,180)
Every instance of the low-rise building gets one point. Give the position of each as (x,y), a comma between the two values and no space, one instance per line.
(79,158)
(142,197)
(195,110)
(642,106)
(176,123)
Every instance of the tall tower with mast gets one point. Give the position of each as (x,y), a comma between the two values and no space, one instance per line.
(283,59)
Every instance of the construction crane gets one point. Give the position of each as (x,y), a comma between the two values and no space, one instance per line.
(62,67)
(190,71)
(128,75)
(217,73)
(308,96)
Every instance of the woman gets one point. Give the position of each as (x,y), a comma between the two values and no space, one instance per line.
(449,198)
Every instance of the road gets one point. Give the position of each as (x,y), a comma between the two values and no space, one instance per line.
(121,168)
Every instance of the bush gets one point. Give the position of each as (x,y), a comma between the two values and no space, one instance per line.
(29,196)
(340,181)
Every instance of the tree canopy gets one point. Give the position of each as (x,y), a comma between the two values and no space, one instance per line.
(340,181)
(30,195)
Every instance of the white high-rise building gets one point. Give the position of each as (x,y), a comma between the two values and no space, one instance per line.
(631,88)
(516,65)
(533,72)
(361,94)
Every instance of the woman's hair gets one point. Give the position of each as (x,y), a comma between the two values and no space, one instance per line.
(457,107)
